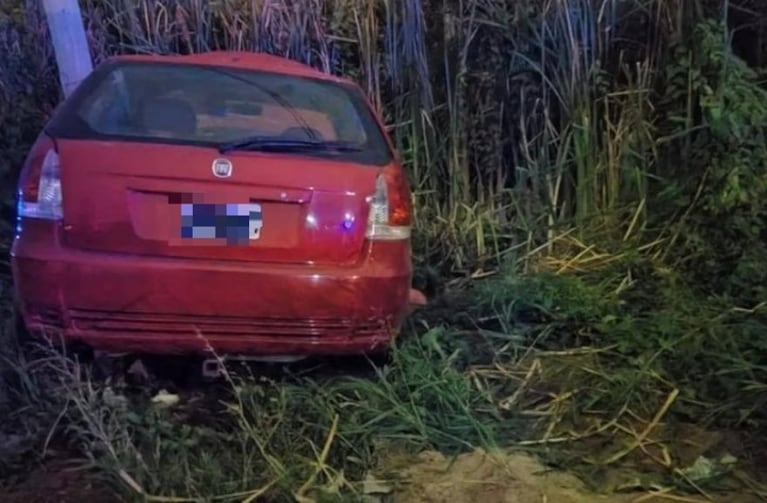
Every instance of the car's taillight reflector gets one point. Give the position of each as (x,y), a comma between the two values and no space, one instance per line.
(391,210)
(40,184)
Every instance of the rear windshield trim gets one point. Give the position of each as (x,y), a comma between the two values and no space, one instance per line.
(66,123)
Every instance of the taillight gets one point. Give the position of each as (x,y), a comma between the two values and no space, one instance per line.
(40,184)
(391,210)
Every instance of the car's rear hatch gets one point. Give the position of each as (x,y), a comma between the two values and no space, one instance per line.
(130,198)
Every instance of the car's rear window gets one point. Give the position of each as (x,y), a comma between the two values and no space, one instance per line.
(208,105)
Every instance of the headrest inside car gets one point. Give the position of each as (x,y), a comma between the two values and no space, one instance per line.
(170,115)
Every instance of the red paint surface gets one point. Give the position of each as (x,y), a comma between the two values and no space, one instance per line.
(113,275)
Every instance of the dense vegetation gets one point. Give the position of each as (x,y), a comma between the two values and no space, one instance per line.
(599,164)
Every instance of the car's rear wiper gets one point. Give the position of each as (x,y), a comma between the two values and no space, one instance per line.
(270,143)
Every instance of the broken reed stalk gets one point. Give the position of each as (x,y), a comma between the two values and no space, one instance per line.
(320,464)
(646,432)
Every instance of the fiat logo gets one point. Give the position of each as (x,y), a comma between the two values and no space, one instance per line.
(222,168)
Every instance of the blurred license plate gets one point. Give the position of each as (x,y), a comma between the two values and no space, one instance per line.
(234,223)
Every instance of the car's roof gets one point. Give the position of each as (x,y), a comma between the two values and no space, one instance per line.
(237,59)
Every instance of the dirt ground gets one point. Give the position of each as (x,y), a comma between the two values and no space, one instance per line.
(58,481)
(475,477)
(515,478)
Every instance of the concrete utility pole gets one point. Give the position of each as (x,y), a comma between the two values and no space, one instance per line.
(70,45)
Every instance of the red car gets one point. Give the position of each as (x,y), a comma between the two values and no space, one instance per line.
(237,202)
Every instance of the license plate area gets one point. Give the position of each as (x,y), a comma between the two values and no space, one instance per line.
(234,224)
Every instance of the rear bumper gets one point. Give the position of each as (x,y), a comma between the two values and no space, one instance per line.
(172,306)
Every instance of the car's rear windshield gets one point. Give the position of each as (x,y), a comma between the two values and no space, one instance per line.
(210,106)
